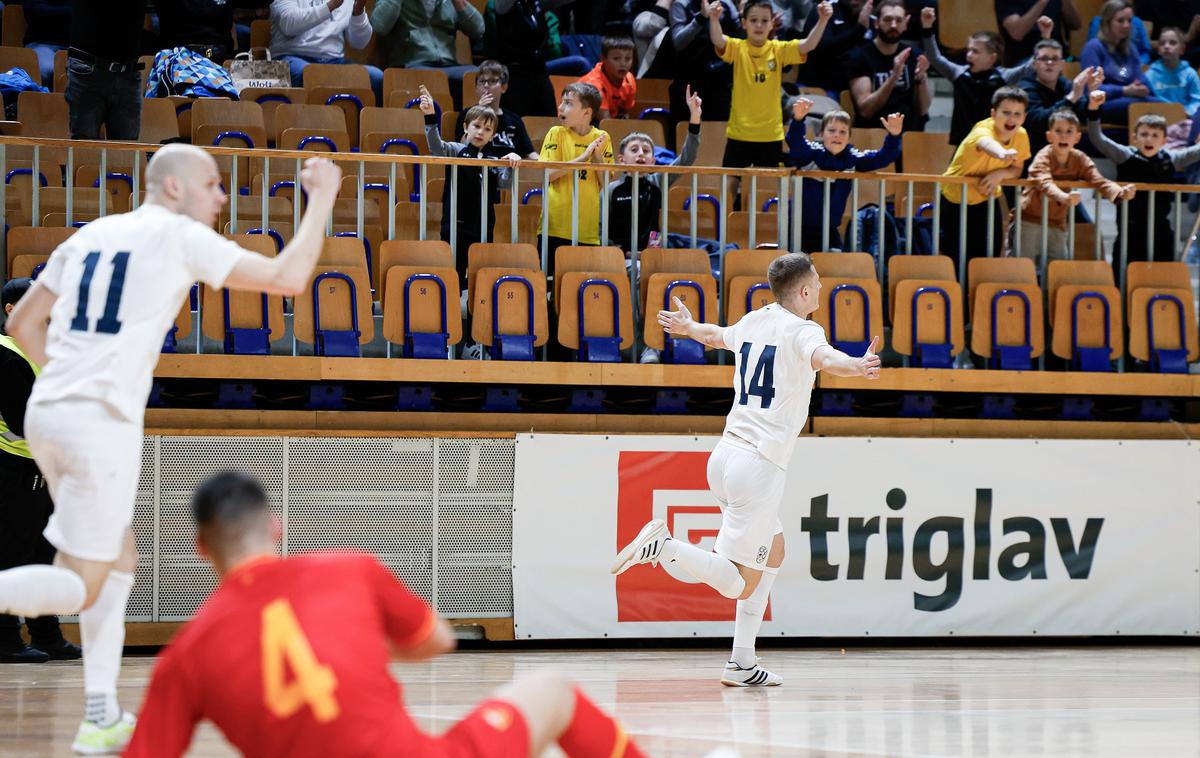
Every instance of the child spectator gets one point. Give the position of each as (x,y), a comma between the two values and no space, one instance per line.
(481,127)
(490,86)
(1058,161)
(638,149)
(1050,91)
(995,150)
(1111,51)
(976,82)
(1172,79)
(1145,161)
(576,140)
(833,152)
(755,130)
(613,76)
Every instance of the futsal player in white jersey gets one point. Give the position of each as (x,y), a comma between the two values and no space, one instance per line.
(95,321)
(778,352)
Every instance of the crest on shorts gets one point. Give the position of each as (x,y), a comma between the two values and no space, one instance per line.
(762,554)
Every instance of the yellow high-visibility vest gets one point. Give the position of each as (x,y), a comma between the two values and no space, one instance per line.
(12,443)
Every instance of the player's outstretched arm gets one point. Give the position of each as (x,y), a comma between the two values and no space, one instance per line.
(289,272)
(679,321)
(834,361)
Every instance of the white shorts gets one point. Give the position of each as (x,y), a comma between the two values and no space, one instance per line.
(91,459)
(749,488)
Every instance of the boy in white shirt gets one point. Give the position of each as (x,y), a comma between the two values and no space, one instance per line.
(779,351)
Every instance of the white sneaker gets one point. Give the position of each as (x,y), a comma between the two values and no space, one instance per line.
(650,355)
(755,676)
(93,739)
(645,548)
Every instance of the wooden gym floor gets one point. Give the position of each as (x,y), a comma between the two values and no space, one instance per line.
(1090,701)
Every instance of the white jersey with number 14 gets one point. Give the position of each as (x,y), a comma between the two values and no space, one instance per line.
(772,379)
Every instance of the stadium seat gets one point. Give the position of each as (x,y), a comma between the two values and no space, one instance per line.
(27,265)
(21,57)
(245,323)
(766,229)
(1007,326)
(698,291)
(249,211)
(537,126)
(13,25)
(560,83)
(406,252)
(708,209)
(379,124)
(403,85)
(1060,273)
(1160,303)
(998,270)
(30,240)
(86,205)
(270,98)
(260,33)
(346,86)
(1087,325)
(654,260)
(901,267)
(745,282)
(375,191)
(928,321)
(680,222)
(924,153)
(311,127)
(219,121)
(43,114)
(181,328)
(408,220)
(959,19)
(653,93)
(498,255)
(509,316)
(333,313)
(421,310)
(585,258)
(159,123)
(1172,112)
(118,184)
(344,251)
(766,191)
(845,265)
(529,218)
(850,312)
(595,313)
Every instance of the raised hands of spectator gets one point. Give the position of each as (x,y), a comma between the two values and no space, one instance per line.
(1096,99)
(426,105)
(825,11)
(928,17)
(864,14)
(1193,28)
(694,104)
(776,23)
(1080,83)
(711,10)
(334,5)
(900,61)
(894,124)
(1045,26)
(359,7)
(922,67)
(800,108)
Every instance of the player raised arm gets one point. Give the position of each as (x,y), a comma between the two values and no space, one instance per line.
(834,361)
(679,321)
(289,272)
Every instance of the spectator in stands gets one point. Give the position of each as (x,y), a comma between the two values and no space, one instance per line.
(637,149)
(1018,18)
(304,32)
(1181,14)
(613,76)
(976,82)
(1173,79)
(518,40)
(202,26)
(1058,161)
(1138,37)
(47,30)
(995,150)
(1112,52)
(887,76)
(511,136)
(651,38)
(575,140)
(27,505)
(846,31)
(481,127)
(1146,161)
(696,63)
(422,35)
(790,17)
(1049,91)
(103,83)
(833,152)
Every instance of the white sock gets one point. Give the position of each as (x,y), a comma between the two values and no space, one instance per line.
(719,573)
(103,629)
(749,618)
(33,591)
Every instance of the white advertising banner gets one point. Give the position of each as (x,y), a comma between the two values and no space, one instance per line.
(885,537)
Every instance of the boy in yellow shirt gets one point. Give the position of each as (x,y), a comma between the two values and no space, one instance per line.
(576,140)
(755,130)
(995,150)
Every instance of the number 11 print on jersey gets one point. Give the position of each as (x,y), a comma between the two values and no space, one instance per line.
(108,323)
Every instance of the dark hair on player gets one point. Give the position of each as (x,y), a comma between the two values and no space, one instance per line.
(589,96)
(1064,114)
(14,290)
(990,40)
(1016,94)
(495,68)
(608,44)
(223,503)
(1151,121)
(481,113)
(787,272)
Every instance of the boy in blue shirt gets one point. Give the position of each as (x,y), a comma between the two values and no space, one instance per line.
(833,153)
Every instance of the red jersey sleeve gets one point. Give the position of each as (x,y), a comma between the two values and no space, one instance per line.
(168,716)
(407,619)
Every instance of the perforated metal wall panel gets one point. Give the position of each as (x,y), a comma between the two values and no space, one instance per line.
(437,513)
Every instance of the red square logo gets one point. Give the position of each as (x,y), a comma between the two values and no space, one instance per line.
(674,487)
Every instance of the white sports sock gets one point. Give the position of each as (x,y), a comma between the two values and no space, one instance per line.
(749,618)
(719,573)
(33,591)
(103,629)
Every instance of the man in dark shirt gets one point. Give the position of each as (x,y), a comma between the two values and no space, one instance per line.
(103,81)
(204,26)
(846,30)
(887,76)
(47,30)
(1049,91)
(25,507)
(1018,24)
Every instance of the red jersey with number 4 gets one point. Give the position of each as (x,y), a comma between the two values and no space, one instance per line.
(290,658)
